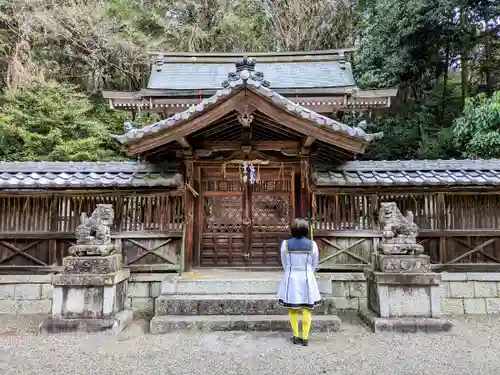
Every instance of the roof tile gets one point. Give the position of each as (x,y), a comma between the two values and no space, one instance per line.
(36,175)
(413,172)
(296,75)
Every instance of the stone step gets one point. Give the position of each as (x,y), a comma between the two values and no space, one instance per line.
(172,323)
(232,285)
(230,304)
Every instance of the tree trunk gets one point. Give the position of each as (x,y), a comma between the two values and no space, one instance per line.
(445,83)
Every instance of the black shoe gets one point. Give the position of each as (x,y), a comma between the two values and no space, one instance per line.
(304,342)
(296,340)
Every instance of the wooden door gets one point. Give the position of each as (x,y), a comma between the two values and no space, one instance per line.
(271,212)
(222,237)
(244,224)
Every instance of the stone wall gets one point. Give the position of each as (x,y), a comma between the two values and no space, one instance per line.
(349,290)
(461,293)
(143,288)
(475,293)
(25,294)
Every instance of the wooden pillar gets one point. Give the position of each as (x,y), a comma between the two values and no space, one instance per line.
(305,197)
(247,221)
(441,205)
(198,217)
(189,213)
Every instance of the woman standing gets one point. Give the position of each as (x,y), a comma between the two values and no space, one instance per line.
(298,289)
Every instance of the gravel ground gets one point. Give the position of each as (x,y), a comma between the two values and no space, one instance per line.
(471,348)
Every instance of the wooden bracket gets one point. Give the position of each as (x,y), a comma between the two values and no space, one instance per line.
(308,142)
(306,145)
(187,150)
(183,142)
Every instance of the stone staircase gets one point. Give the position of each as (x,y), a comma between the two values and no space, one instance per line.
(232,301)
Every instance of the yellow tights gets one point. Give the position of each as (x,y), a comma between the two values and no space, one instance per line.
(306,322)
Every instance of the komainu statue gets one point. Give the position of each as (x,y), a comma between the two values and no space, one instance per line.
(399,233)
(93,234)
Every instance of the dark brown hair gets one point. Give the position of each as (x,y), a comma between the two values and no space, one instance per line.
(300,228)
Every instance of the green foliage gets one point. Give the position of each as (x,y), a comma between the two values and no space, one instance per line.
(437,52)
(51,121)
(409,133)
(403,42)
(477,132)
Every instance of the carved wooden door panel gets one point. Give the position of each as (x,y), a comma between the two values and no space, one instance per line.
(243,223)
(271,213)
(222,238)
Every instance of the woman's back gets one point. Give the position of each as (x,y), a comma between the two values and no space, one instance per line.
(299,254)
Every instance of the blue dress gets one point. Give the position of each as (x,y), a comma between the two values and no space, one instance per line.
(298,288)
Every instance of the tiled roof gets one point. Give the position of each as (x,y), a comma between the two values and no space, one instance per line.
(295,75)
(412,172)
(247,77)
(40,175)
(53,175)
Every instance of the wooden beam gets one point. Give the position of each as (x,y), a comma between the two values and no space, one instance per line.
(256,145)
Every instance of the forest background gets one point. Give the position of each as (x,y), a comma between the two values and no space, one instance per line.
(56,56)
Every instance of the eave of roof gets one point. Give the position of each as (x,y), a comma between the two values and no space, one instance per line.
(411,173)
(266,56)
(74,175)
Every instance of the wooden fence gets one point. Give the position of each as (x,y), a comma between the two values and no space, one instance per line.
(458,230)
(37,230)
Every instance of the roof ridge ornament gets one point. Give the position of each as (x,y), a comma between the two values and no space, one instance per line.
(245,64)
(245,70)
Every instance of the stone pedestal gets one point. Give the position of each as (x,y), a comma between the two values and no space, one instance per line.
(404,301)
(89,295)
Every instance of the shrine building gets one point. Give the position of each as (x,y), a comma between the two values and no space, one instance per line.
(244,146)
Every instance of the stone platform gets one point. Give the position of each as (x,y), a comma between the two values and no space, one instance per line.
(232,301)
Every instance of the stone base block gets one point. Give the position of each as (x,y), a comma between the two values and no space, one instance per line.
(114,325)
(86,296)
(403,295)
(92,264)
(90,279)
(85,250)
(402,263)
(404,325)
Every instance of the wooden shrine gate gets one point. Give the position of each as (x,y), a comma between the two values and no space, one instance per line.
(243,224)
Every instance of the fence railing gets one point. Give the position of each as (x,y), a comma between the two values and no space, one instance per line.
(36,231)
(459,231)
